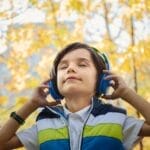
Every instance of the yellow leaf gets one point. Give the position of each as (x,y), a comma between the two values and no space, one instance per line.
(3,100)
(32,83)
(76,5)
(21,100)
(33,2)
(134,2)
(3,15)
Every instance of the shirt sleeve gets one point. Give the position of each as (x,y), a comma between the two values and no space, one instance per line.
(131,129)
(29,138)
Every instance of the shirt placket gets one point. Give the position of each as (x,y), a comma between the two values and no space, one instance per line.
(75,130)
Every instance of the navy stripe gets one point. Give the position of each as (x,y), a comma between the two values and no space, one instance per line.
(46,113)
(100,108)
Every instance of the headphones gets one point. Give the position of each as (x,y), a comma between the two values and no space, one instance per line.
(102,85)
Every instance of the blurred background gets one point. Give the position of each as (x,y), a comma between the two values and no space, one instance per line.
(33,31)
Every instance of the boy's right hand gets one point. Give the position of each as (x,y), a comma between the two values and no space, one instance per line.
(40,95)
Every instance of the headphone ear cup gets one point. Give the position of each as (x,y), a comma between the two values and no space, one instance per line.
(103,84)
(54,92)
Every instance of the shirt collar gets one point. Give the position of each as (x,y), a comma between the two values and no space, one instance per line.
(82,113)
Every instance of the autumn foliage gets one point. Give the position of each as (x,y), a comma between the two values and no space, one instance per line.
(29,44)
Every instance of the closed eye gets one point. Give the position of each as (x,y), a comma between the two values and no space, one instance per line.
(82,65)
(64,66)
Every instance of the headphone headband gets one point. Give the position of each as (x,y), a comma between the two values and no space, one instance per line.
(103,56)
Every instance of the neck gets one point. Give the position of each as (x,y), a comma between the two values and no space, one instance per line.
(75,104)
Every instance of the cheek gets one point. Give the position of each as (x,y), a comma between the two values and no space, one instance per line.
(94,80)
(59,80)
(91,79)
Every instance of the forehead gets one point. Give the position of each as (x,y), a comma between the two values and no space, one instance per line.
(77,54)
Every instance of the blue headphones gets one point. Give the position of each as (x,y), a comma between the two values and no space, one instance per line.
(102,85)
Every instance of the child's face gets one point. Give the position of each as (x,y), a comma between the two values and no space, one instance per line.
(76,74)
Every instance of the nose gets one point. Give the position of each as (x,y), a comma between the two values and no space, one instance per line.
(71,68)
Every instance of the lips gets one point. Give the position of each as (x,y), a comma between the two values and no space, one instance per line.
(72,78)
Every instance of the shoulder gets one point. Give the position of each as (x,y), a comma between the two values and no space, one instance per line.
(48,113)
(100,108)
(28,137)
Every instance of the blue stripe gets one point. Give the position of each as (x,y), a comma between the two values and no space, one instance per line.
(101,143)
(55,145)
(89,143)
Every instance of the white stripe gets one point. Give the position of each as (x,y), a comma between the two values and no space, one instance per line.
(116,118)
(54,123)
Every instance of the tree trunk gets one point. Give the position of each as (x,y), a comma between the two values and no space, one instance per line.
(135,70)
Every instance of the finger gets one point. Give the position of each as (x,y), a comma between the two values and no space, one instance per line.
(108,72)
(112,85)
(44,86)
(107,96)
(112,77)
(54,103)
(42,91)
(46,81)
(45,94)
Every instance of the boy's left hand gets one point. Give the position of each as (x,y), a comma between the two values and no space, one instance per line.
(117,83)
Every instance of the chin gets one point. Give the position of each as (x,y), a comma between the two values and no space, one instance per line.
(71,90)
(74,91)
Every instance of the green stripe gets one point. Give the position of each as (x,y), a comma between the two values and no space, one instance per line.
(110,130)
(52,134)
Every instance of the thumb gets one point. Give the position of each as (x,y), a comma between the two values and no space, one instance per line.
(111,96)
(107,96)
(53,103)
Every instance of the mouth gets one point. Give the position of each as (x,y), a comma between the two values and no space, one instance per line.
(72,78)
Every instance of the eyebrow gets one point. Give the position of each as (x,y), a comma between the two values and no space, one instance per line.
(78,59)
